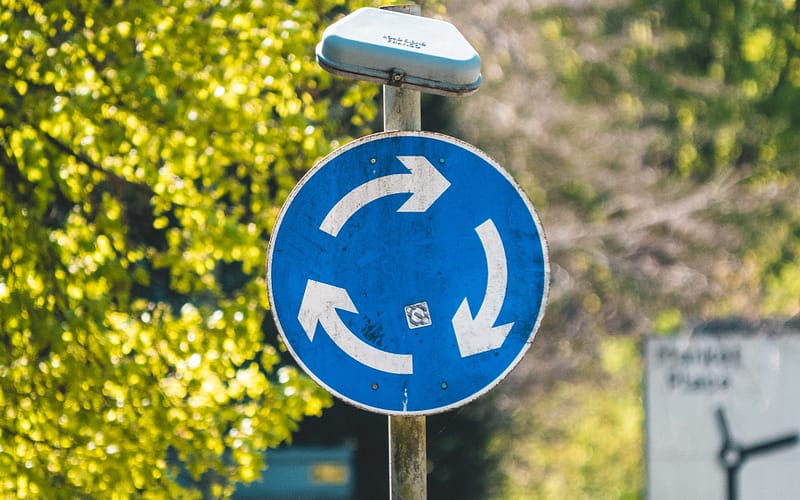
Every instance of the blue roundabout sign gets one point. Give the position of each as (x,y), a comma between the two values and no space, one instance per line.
(407,273)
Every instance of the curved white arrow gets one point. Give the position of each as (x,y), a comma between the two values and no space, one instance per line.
(424,182)
(477,334)
(319,305)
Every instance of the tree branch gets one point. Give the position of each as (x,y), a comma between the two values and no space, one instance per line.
(703,198)
(114,178)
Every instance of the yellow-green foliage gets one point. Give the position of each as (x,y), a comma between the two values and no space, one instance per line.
(584,440)
(144,140)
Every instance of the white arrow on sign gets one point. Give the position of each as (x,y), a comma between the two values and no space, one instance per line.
(424,182)
(319,305)
(477,334)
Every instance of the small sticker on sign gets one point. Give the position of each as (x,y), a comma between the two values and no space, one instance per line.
(418,315)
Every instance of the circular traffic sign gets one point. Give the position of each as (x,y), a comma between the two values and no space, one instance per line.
(407,273)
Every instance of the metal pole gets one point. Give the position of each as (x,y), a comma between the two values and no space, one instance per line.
(407,458)
(401,109)
(408,469)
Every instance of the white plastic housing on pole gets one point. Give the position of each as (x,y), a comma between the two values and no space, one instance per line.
(395,47)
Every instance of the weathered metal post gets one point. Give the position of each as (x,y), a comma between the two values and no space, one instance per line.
(408,470)
(407,458)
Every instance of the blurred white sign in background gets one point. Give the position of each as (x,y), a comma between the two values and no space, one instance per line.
(723,417)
